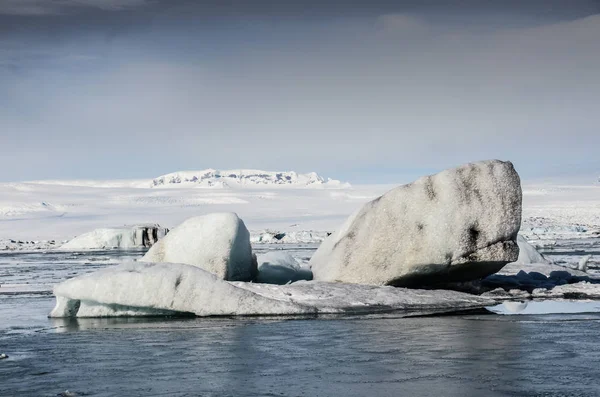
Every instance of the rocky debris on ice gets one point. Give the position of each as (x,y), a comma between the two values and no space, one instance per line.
(293,237)
(243,178)
(26,245)
(528,253)
(146,289)
(277,267)
(126,237)
(460,224)
(218,243)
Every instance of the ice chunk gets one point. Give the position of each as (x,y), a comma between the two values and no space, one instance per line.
(583,263)
(291,237)
(147,289)
(527,252)
(278,267)
(126,237)
(458,225)
(218,243)
(157,289)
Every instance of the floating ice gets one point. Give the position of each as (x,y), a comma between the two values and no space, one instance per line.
(460,224)
(218,243)
(146,289)
(278,267)
(528,253)
(126,237)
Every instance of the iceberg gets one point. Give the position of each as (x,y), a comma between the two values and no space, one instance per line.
(458,225)
(527,252)
(278,267)
(126,237)
(156,289)
(217,242)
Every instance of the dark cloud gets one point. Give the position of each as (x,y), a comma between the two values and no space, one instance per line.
(53,7)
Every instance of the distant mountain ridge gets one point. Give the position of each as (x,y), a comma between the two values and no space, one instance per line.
(212,178)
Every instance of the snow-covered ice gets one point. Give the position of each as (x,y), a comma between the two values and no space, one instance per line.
(25,245)
(291,237)
(244,178)
(218,243)
(61,210)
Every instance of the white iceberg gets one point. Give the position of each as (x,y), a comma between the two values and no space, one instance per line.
(527,252)
(125,237)
(149,289)
(218,243)
(144,289)
(458,225)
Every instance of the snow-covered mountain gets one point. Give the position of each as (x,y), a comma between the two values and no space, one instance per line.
(244,178)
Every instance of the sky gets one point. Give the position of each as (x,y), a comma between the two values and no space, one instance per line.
(363,91)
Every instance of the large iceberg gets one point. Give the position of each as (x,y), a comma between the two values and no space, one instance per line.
(157,289)
(460,224)
(217,242)
(125,237)
(151,289)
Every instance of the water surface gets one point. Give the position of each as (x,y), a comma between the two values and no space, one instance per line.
(378,355)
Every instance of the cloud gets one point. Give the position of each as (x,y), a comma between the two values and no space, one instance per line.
(402,23)
(333,95)
(53,7)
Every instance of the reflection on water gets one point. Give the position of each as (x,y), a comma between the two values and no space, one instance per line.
(546,307)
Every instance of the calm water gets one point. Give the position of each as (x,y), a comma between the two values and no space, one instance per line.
(468,355)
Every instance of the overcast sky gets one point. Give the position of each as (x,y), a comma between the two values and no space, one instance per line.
(357,90)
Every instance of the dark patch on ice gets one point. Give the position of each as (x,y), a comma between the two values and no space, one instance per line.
(575,295)
(279,236)
(448,258)
(177,281)
(420,227)
(473,236)
(429,189)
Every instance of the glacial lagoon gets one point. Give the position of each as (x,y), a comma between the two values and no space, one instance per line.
(527,353)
